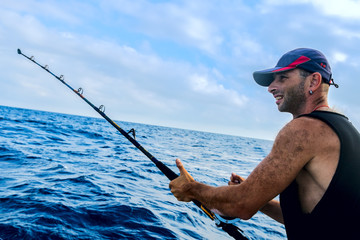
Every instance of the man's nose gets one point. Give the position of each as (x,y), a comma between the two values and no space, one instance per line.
(272,87)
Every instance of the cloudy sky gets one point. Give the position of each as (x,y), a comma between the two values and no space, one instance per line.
(185,64)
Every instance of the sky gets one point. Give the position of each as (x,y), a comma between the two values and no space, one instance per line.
(185,64)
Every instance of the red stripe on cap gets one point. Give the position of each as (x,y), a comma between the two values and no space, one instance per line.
(294,64)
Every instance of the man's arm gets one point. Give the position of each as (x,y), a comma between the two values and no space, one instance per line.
(271,209)
(293,148)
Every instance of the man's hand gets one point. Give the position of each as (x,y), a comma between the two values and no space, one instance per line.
(235,179)
(180,186)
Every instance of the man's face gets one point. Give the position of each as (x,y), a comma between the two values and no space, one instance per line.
(288,90)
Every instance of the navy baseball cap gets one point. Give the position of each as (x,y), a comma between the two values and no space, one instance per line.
(307,59)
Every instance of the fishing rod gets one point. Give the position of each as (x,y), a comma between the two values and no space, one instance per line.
(223,222)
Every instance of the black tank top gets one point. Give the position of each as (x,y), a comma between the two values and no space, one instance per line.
(337,215)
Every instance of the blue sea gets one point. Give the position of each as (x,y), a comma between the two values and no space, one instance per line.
(74,177)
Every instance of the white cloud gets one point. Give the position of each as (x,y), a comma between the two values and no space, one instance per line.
(344,8)
(346,33)
(338,57)
(202,34)
(203,85)
(61,11)
(347,9)
(30,28)
(185,23)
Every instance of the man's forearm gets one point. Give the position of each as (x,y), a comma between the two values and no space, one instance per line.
(273,210)
(223,200)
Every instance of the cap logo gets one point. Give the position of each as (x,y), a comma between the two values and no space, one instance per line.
(323,65)
(294,64)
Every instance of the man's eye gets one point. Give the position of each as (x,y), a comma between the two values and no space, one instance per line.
(282,77)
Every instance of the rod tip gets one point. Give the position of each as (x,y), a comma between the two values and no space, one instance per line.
(19,51)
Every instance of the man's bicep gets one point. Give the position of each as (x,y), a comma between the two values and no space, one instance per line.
(286,159)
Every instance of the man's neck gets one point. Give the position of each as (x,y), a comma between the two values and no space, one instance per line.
(323,106)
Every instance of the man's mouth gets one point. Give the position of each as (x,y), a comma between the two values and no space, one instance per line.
(278,98)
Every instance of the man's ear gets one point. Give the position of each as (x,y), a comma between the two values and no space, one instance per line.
(315,82)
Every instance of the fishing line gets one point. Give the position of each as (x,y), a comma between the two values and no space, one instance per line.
(222,222)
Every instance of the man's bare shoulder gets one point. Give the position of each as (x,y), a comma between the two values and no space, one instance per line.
(296,131)
(303,129)
(301,139)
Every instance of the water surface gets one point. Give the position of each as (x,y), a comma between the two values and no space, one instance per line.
(73,177)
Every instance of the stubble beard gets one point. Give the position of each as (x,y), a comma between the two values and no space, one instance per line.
(294,99)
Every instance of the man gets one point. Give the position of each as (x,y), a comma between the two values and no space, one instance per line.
(314,164)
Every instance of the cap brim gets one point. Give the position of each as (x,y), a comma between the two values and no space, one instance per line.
(266,77)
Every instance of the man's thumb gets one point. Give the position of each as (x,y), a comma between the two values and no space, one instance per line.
(183,171)
(180,166)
